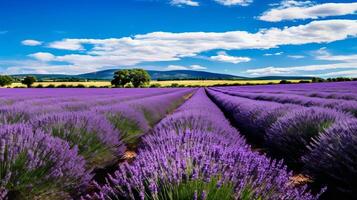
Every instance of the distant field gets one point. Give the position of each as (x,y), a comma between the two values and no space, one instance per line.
(162,83)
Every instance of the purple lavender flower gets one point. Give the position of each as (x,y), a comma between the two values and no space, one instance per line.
(187,153)
(289,136)
(33,163)
(97,140)
(332,159)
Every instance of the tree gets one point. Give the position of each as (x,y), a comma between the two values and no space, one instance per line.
(317,80)
(284,82)
(5,80)
(139,77)
(121,78)
(28,81)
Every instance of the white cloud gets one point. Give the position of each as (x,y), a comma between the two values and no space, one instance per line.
(345,73)
(43,56)
(296,56)
(292,10)
(180,67)
(298,69)
(166,46)
(344,63)
(31,42)
(274,54)
(184,3)
(324,54)
(69,44)
(39,67)
(197,67)
(234,2)
(223,57)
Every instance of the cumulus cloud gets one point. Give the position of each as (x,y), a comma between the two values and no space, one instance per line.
(31,42)
(234,2)
(222,56)
(292,10)
(69,44)
(39,67)
(274,54)
(296,56)
(342,63)
(324,54)
(180,67)
(184,3)
(348,73)
(167,46)
(298,69)
(43,56)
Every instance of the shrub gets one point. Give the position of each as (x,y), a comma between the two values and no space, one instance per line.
(5,80)
(80,86)
(289,136)
(33,163)
(333,159)
(62,86)
(183,165)
(284,82)
(155,85)
(96,139)
(14,114)
(51,86)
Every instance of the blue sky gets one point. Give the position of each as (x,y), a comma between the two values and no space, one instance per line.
(242,37)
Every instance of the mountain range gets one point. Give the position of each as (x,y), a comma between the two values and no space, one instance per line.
(161,75)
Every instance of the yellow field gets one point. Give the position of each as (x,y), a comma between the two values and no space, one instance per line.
(162,83)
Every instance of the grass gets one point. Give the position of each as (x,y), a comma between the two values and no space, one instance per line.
(162,83)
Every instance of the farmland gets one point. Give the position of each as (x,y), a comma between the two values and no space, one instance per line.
(294,141)
(202,83)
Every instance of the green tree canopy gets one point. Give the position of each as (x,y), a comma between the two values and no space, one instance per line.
(28,81)
(137,77)
(5,80)
(121,78)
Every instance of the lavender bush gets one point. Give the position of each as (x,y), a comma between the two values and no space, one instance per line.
(289,137)
(134,118)
(97,140)
(333,159)
(33,163)
(190,161)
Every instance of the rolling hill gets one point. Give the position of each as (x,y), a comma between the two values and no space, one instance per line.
(160,75)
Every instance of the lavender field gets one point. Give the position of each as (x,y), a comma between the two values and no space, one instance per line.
(268,142)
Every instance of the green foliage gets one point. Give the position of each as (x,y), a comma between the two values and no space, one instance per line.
(121,78)
(28,81)
(199,188)
(18,182)
(129,129)
(156,85)
(284,82)
(137,77)
(5,80)
(88,143)
(317,80)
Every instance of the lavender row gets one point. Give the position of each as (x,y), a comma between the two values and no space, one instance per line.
(196,154)
(339,87)
(316,141)
(341,105)
(23,111)
(52,155)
